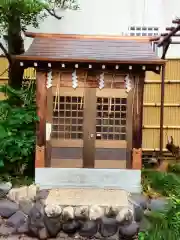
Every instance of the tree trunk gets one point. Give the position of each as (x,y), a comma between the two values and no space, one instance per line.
(15,47)
(15,75)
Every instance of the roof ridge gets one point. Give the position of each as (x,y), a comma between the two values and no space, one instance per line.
(81,36)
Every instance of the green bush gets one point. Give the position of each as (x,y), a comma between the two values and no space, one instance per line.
(165,225)
(167,184)
(17,131)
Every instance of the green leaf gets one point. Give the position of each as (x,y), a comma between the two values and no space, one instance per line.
(1,163)
(3,132)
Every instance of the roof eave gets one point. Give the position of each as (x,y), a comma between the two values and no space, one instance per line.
(46,59)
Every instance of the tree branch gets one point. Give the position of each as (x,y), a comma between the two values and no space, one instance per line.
(53,13)
(6,53)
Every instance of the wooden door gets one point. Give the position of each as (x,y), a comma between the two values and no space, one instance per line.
(110,142)
(89,128)
(67,130)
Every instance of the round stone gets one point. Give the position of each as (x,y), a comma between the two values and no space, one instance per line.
(96,212)
(88,229)
(53,225)
(138,212)
(68,213)
(53,210)
(71,227)
(129,231)
(125,215)
(108,227)
(5,187)
(158,204)
(81,212)
(36,219)
(111,212)
(140,200)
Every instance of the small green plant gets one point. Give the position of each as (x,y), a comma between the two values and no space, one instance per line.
(174,168)
(165,225)
(166,184)
(142,236)
(17,131)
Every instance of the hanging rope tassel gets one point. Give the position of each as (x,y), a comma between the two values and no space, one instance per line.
(128,84)
(74,80)
(82,98)
(57,94)
(110,99)
(101,81)
(49,79)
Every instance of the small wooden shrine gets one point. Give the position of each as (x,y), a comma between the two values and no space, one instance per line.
(90,100)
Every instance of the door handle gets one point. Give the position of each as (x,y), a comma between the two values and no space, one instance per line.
(91,135)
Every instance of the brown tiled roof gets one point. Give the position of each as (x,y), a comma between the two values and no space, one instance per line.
(77,48)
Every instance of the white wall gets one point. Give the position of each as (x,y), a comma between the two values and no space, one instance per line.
(105,17)
(113,17)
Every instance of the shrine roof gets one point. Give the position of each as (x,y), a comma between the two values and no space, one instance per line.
(84,48)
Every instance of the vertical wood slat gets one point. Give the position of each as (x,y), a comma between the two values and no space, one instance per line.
(89,127)
(41,93)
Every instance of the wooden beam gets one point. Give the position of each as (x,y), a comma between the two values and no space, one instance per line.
(41,93)
(168,36)
(175,42)
(89,122)
(137,107)
(155,38)
(165,34)
(90,61)
(170,28)
(129,122)
(165,48)
(176,21)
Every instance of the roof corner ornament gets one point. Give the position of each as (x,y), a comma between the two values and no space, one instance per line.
(101,81)
(74,80)
(49,79)
(128,83)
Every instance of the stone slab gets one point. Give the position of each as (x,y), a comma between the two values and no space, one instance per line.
(77,197)
(127,179)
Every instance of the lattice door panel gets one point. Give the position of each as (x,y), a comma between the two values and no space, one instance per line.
(68,118)
(111,129)
(67,130)
(111,119)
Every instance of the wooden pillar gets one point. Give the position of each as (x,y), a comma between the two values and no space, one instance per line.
(137,121)
(129,130)
(41,99)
